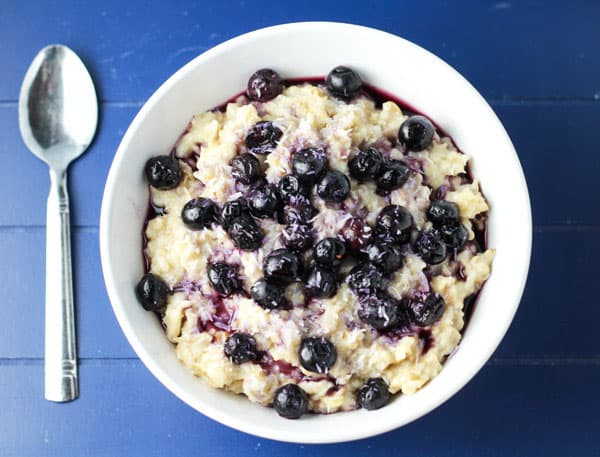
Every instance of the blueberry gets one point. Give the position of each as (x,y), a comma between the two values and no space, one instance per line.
(290,401)
(392,175)
(374,394)
(384,255)
(240,348)
(330,252)
(454,234)
(263,138)
(395,223)
(441,212)
(431,248)
(233,210)
(290,186)
(245,234)
(264,201)
(334,187)
(381,312)
(282,265)
(199,213)
(309,164)
(152,292)
(366,164)
(269,295)
(357,233)
(321,282)
(416,133)
(317,354)
(245,168)
(264,85)
(297,237)
(223,277)
(163,172)
(344,82)
(298,211)
(364,279)
(427,311)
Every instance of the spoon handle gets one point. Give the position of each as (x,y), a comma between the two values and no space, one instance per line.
(61,356)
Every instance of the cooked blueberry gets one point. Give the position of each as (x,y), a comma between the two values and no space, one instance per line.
(152,292)
(364,279)
(290,401)
(321,282)
(374,394)
(343,82)
(264,201)
(199,213)
(263,138)
(431,248)
(299,210)
(282,265)
(290,186)
(269,295)
(245,234)
(330,252)
(297,237)
(317,354)
(384,255)
(454,234)
(357,233)
(240,348)
(380,311)
(416,133)
(223,277)
(232,210)
(163,172)
(395,223)
(245,168)
(264,85)
(309,164)
(334,187)
(442,211)
(392,175)
(427,311)
(366,164)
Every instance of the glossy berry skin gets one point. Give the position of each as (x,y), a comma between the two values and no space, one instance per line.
(223,278)
(241,348)
(394,223)
(152,292)
(232,210)
(454,234)
(289,187)
(309,164)
(416,133)
(297,237)
(334,187)
(290,401)
(245,234)
(357,233)
(245,168)
(366,164)
(381,312)
(264,201)
(442,212)
(343,82)
(199,213)
(263,137)
(163,172)
(321,282)
(365,279)
(392,175)
(264,85)
(317,354)
(374,394)
(430,247)
(282,266)
(299,210)
(386,256)
(330,252)
(427,310)
(269,295)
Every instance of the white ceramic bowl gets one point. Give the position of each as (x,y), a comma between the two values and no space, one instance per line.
(308,49)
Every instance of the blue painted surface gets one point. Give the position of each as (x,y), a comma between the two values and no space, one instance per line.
(537,63)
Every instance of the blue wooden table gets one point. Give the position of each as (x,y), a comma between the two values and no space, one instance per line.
(537,63)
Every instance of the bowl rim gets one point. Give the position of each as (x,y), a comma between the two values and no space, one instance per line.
(215,413)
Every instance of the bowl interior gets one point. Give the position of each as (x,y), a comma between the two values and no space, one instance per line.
(428,84)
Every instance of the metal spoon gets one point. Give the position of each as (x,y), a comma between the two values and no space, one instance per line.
(58,113)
